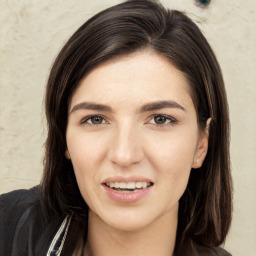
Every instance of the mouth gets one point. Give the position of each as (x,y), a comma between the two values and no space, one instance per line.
(128,187)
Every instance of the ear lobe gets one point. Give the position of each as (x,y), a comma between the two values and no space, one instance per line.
(67,155)
(202,147)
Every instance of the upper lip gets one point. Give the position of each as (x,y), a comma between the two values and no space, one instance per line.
(127,179)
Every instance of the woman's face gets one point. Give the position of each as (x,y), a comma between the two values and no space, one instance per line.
(133,137)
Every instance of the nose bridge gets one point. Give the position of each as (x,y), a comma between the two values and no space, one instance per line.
(126,148)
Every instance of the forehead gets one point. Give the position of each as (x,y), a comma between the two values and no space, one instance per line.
(133,79)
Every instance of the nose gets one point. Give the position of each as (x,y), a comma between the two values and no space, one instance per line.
(126,148)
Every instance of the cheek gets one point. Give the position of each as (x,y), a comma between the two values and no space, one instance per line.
(175,164)
(172,152)
(85,152)
(174,170)
(172,157)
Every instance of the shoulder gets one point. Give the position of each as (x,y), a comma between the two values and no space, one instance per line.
(22,221)
(191,248)
(210,251)
(19,200)
(14,205)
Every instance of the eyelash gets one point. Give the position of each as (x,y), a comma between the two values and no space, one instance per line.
(171,121)
(86,119)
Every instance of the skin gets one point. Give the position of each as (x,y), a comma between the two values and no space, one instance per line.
(127,140)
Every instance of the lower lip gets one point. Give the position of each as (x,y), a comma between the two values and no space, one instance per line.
(129,197)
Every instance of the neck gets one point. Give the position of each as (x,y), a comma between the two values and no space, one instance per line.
(158,238)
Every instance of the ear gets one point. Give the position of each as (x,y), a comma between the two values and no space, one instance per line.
(202,146)
(67,155)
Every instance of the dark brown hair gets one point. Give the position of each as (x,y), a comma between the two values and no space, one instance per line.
(206,206)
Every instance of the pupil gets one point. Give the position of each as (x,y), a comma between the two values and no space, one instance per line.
(97,120)
(160,119)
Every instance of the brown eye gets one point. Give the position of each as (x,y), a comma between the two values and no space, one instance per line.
(96,119)
(163,120)
(160,119)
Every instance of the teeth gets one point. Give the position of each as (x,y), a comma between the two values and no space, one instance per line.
(128,185)
(122,185)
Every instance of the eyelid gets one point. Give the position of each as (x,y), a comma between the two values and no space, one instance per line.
(85,119)
(172,121)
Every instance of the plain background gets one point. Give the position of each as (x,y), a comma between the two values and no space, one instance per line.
(33,31)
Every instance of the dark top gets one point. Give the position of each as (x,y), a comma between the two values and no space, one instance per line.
(25,230)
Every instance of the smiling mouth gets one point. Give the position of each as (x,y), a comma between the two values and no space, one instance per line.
(128,187)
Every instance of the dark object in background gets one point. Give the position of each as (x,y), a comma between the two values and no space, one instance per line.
(203,3)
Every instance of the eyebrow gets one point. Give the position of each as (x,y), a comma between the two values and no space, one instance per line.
(160,105)
(92,106)
(157,105)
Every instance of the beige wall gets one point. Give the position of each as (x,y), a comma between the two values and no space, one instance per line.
(32,32)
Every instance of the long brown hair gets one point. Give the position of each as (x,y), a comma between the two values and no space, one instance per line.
(206,206)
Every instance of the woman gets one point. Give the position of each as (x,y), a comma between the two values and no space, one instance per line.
(137,153)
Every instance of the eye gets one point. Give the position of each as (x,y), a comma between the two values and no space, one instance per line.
(163,120)
(94,120)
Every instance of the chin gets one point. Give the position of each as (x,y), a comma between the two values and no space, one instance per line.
(128,220)
(128,226)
